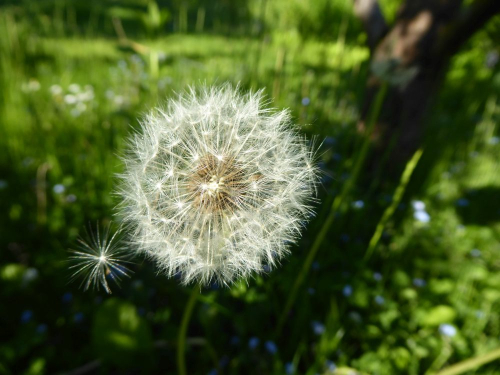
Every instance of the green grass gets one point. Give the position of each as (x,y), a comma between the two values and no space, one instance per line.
(58,160)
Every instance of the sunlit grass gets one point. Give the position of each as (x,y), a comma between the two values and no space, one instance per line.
(428,296)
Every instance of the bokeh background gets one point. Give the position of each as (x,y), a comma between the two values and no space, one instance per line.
(405,278)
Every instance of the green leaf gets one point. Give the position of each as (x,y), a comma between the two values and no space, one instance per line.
(438,315)
(120,336)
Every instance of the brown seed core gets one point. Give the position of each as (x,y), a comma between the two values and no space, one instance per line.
(218,184)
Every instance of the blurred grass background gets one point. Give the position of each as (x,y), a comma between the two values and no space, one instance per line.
(75,76)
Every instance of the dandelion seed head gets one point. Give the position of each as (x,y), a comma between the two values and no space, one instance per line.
(236,185)
(99,257)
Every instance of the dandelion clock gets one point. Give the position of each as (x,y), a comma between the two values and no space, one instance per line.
(216,186)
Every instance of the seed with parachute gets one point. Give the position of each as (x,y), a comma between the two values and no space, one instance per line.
(99,258)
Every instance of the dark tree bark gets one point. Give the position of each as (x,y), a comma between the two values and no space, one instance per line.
(412,56)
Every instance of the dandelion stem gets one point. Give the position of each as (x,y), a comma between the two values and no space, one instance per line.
(336,207)
(398,195)
(181,338)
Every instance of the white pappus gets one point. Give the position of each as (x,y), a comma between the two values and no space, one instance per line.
(216,185)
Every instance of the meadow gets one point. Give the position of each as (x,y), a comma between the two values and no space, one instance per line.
(393,275)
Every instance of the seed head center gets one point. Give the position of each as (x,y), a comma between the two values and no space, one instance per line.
(217,183)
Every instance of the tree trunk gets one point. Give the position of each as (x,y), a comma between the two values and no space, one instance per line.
(411,57)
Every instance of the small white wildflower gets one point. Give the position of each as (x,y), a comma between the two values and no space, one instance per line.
(31,86)
(216,186)
(98,258)
(70,99)
(119,100)
(75,112)
(81,107)
(56,90)
(74,88)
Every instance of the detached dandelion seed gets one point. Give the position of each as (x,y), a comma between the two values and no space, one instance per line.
(99,258)
(216,186)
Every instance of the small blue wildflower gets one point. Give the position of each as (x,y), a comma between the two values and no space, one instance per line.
(330,365)
(422,216)
(41,329)
(476,253)
(78,317)
(377,276)
(494,140)
(447,330)
(30,275)
(347,290)
(71,198)
(58,188)
(345,237)
(3,184)
(212,372)
(479,314)
(355,316)
(26,316)
(462,202)
(27,161)
(317,327)
(315,265)
(326,179)
(266,268)
(418,205)
(387,198)
(419,283)
(336,157)
(224,361)
(306,101)
(379,300)
(289,368)
(253,343)
(492,59)
(67,297)
(329,141)
(137,284)
(311,291)
(358,204)
(271,347)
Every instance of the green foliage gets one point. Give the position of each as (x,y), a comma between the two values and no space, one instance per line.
(120,336)
(70,94)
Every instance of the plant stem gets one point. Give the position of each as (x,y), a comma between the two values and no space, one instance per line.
(181,338)
(398,195)
(336,206)
(471,364)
